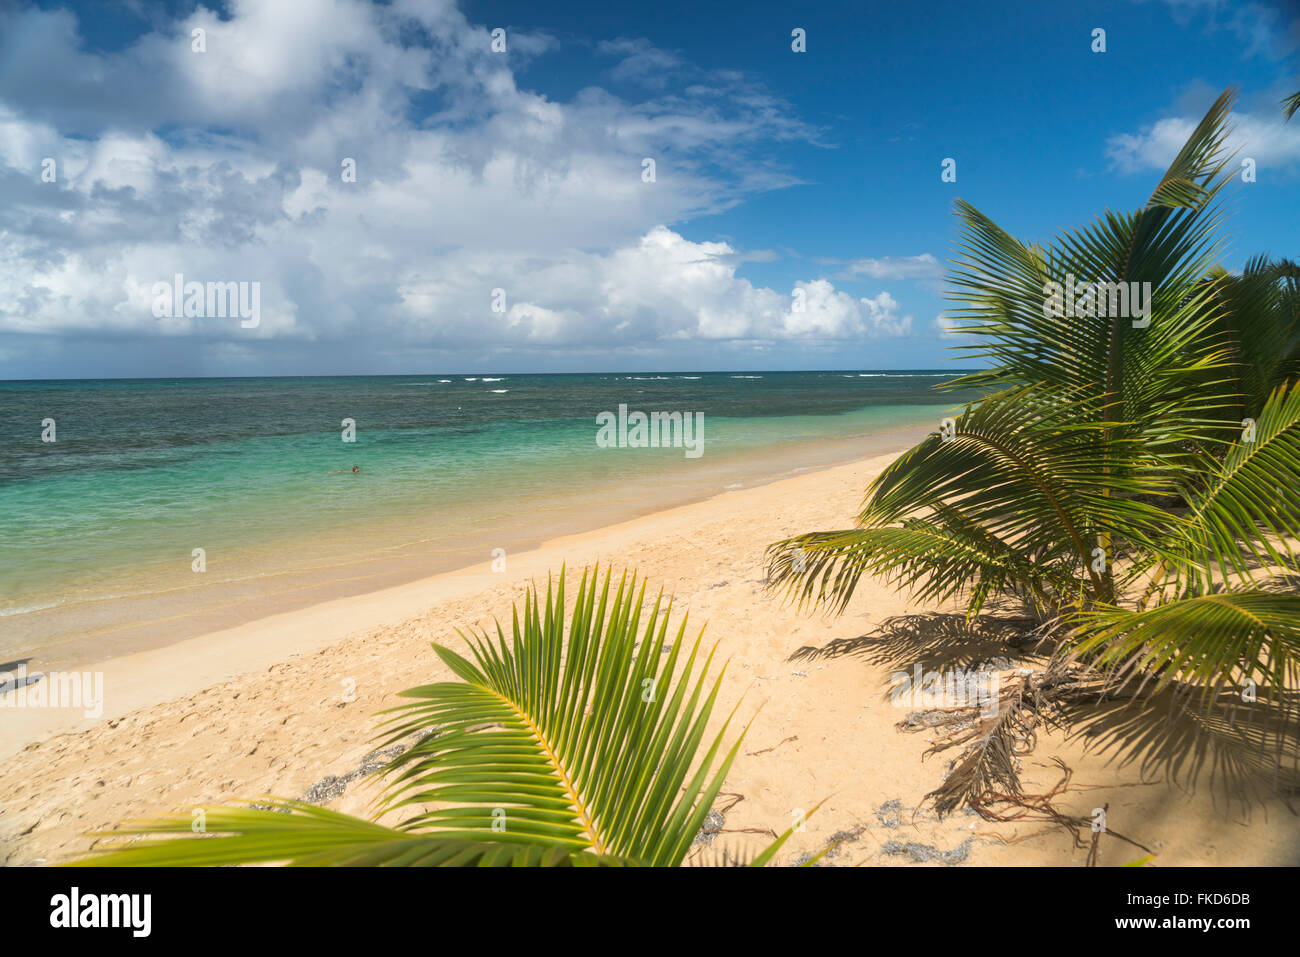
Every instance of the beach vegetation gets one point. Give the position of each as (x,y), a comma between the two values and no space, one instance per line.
(1129,486)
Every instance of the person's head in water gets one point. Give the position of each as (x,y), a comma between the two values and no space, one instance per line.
(356,468)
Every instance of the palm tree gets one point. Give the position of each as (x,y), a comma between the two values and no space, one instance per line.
(550,749)
(1111,461)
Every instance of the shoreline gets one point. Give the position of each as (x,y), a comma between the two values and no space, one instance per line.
(92,631)
(286,706)
(157,674)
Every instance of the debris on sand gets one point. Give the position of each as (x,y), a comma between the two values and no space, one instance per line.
(890,814)
(713,822)
(330,787)
(926,853)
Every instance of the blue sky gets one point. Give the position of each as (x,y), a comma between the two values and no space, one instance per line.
(777,174)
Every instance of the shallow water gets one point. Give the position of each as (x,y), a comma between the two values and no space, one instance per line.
(97,546)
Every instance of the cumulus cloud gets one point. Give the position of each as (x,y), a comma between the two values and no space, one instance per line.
(1265,138)
(226,166)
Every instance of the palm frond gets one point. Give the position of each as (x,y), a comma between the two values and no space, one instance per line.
(1248,506)
(560,746)
(1002,286)
(1210,642)
(1017,497)
(1290,105)
(304,835)
(1258,327)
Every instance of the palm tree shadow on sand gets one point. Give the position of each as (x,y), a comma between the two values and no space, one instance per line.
(1243,752)
(933,639)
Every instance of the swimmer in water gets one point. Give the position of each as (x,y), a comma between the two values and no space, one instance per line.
(355,468)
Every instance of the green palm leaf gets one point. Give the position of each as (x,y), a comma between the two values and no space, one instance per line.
(1017,497)
(1290,105)
(934,560)
(560,746)
(1243,514)
(591,749)
(1208,641)
(310,836)
(1258,326)
(1001,286)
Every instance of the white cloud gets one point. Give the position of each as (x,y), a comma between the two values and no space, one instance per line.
(924,266)
(224,166)
(640,62)
(661,288)
(1264,138)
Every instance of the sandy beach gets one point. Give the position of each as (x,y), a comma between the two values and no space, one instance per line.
(285,706)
